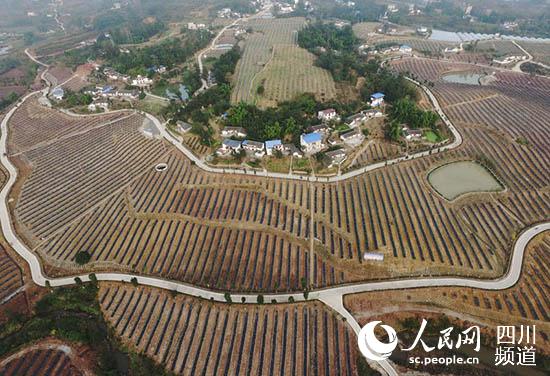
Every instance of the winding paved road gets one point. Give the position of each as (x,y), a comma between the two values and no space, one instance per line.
(333,297)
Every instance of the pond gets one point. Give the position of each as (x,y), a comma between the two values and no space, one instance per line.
(463,78)
(455,179)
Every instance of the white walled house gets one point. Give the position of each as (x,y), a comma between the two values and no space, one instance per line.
(237,132)
(272,145)
(311,142)
(335,157)
(327,115)
(141,81)
(352,138)
(229,146)
(255,147)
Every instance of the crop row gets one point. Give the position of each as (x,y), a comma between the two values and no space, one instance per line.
(11,276)
(191,336)
(33,124)
(40,362)
(72,174)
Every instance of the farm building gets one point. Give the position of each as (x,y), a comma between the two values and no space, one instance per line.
(255,147)
(327,114)
(406,49)
(357,120)
(238,132)
(311,142)
(97,104)
(183,127)
(377,99)
(320,128)
(352,138)
(141,81)
(411,134)
(272,145)
(373,256)
(58,93)
(373,113)
(229,146)
(335,157)
(291,149)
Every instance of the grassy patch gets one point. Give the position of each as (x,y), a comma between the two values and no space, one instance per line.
(301,164)
(432,137)
(278,164)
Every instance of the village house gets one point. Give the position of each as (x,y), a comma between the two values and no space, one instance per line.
(320,128)
(335,157)
(272,145)
(311,142)
(237,132)
(411,134)
(229,146)
(141,81)
(111,74)
(373,113)
(97,104)
(130,94)
(327,114)
(183,127)
(58,93)
(377,99)
(352,138)
(196,26)
(157,69)
(255,147)
(357,120)
(292,150)
(405,49)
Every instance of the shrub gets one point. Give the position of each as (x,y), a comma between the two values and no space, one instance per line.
(82,257)
(227,297)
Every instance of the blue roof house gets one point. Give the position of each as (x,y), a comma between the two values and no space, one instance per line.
(311,142)
(272,145)
(377,99)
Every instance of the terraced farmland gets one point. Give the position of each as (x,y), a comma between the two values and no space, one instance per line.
(540,51)
(271,54)
(34,124)
(291,72)
(190,336)
(431,70)
(11,276)
(253,234)
(40,362)
(80,170)
(525,303)
(214,231)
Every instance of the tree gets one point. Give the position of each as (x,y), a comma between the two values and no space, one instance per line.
(260,90)
(260,299)
(29,38)
(78,281)
(82,257)
(134,281)
(227,297)
(291,299)
(93,278)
